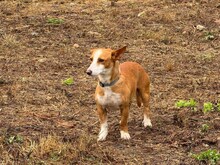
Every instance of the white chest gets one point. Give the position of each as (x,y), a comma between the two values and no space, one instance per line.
(109,98)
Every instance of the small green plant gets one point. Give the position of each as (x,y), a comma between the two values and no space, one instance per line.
(55,21)
(55,155)
(180,103)
(206,56)
(218,107)
(186,103)
(15,139)
(210,156)
(68,81)
(209,36)
(191,103)
(205,128)
(207,107)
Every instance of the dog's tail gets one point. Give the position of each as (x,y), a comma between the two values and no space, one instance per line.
(138,98)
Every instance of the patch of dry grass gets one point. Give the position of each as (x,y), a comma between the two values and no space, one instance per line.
(53,149)
(49,149)
(167,17)
(4,153)
(161,35)
(9,40)
(206,56)
(6,157)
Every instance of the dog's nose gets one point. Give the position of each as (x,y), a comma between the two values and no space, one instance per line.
(89,72)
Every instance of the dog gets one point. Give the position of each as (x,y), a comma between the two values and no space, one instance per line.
(117,84)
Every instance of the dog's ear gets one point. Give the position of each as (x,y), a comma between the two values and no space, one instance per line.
(117,53)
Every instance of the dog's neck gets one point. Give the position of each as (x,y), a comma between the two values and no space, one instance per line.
(111,74)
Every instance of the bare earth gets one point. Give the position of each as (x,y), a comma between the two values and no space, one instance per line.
(43,121)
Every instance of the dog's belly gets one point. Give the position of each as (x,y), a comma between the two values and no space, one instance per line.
(109,99)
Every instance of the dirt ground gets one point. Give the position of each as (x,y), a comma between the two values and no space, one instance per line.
(42,43)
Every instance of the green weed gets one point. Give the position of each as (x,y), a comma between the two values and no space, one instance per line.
(15,139)
(68,81)
(207,56)
(180,103)
(186,103)
(55,21)
(209,156)
(209,36)
(207,107)
(205,128)
(218,107)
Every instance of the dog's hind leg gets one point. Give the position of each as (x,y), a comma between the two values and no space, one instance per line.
(138,98)
(145,95)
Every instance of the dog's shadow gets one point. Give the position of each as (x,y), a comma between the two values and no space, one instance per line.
(136,130)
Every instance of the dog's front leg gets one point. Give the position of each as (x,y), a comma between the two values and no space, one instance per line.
(102,113)
(124,122)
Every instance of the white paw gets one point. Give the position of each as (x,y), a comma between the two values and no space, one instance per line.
(102,135)
(147,122)
(125,135)
(103,132)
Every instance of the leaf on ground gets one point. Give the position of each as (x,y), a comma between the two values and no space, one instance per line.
(68,81)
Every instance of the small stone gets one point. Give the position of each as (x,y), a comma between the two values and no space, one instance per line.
(184,43)
(200,27)
(42,60)
(205,145)
(34,34)
(76,45)
(184,32)
(72,4)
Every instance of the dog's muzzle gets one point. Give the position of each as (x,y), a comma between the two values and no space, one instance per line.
(89,72)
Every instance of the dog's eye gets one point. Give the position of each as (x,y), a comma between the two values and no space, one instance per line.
(100,60)
(91,59)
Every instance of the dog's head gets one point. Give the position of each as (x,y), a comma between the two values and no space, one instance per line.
(103,60)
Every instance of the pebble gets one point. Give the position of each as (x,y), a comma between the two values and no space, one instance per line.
(76,45)
(34,34)
(42,60)
(72,4)
(200,27)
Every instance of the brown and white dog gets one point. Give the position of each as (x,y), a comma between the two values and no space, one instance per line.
(118,83)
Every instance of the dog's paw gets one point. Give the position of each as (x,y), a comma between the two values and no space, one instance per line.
(125,135)
(102,134)
(147,122)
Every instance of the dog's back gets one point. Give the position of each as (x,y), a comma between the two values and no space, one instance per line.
(136,78)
